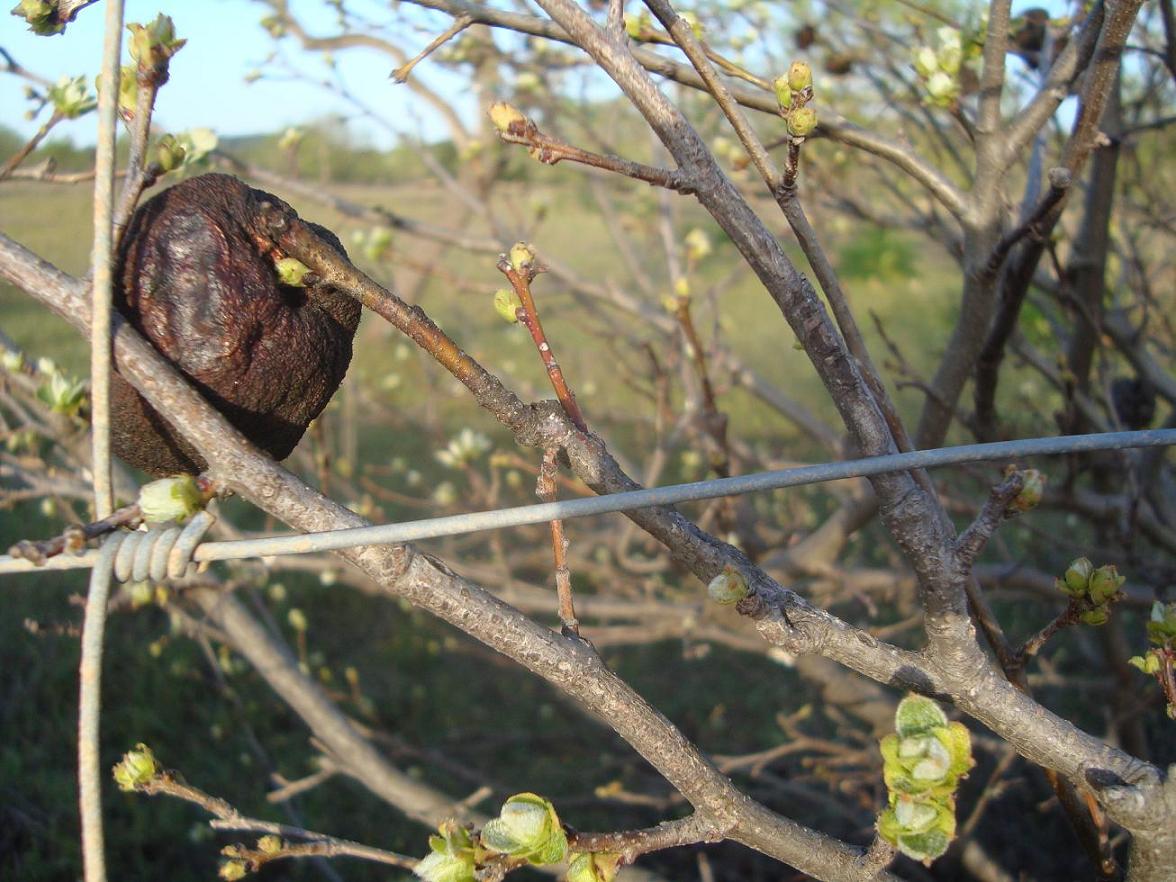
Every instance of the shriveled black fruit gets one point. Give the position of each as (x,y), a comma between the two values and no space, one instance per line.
(196,277)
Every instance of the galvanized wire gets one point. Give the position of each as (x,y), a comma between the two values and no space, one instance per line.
(452,525)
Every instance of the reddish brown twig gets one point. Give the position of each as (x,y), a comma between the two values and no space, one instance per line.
(520,279)
(545,490)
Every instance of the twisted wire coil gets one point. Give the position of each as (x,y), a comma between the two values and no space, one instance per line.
(163,552)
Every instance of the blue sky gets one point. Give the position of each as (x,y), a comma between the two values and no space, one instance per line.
(226,42)
(207,86)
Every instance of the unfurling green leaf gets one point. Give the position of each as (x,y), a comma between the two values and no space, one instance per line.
(527,827)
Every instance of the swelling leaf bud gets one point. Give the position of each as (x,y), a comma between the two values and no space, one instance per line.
(917,715)
(169,153)
(1032,487)
(231,871)
(783,91)
(1097,616)
(1161,625)
(507,117)
(170,499)
(593,866)
(926,62)
(802,122)
(522,256)
(728,587)
(1104,584)
(507,305)
(270,844)
(292,272)
(800,76)
(528,828)
(1077,576)
(136,768)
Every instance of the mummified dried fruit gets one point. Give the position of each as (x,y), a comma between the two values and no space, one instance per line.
(197,278)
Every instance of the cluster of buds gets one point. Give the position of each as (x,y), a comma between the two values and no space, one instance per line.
(939,67)
(527,829)
(71,98)
(452,857)
(922,764)
(1160,660)
(43,16)
(794,91)
(136,769)
(152,47)
(1093,590)
(243,860)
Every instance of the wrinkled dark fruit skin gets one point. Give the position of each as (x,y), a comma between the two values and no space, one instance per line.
(194,278)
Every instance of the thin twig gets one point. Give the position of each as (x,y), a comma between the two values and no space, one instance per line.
(550,150)
(1059,185)
(545,490)
(520,279)
(462,22)
(996,508)
(17,158)
(228,818)
(74,538)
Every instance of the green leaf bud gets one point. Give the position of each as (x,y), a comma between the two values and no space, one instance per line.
(1077,576)
(522,256)
(292,272)
(151,45)
(800,76)
(1161,624)
(297,619)
(1100,615)
(1032,487)
(136,768)
(1104,583)
(698,245)
(41,15)
(12,361)
(1149,663)
(507,305)
(62,394)
(70,97)
(169,153)
(942,88)
(507,118)
(270,844)
(728,587)
(170,499)
(926,62)
(802,122)
(593,866)
(783,91)
(197,144)
(917,715)
(231,871)
(527,827)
